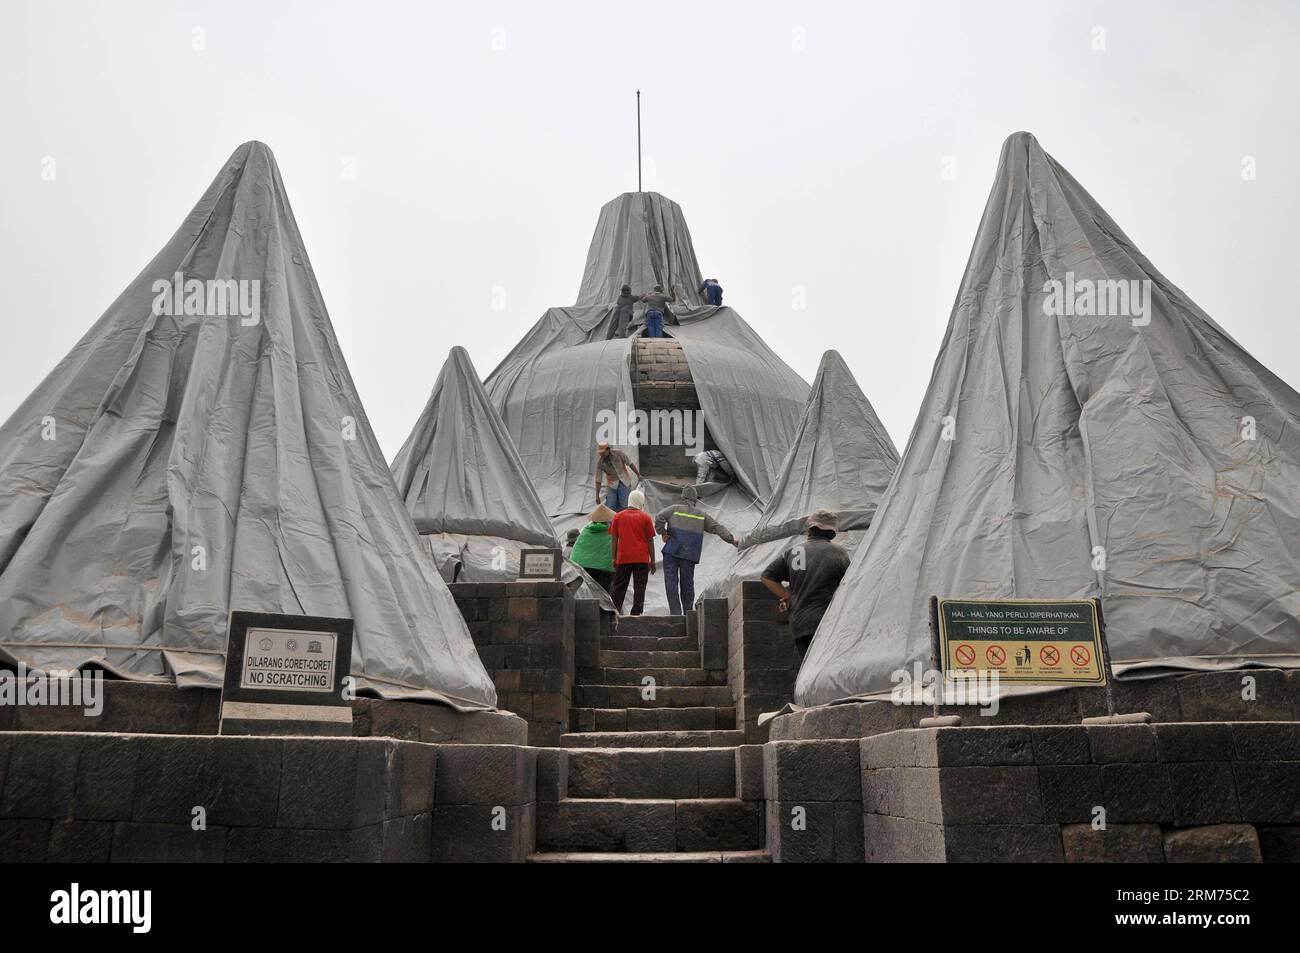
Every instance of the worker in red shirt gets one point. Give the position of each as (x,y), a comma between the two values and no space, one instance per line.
(633,533)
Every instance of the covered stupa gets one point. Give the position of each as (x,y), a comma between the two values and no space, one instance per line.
(1133,453)
(842,460)
(465,487)
(569,383)
(201,450)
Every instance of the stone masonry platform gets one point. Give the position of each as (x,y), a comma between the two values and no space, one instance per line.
(160,709)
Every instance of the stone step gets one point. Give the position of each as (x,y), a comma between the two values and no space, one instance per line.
(612,658)
(650,825)
(685,857)
(665,696)
(671,773)
(652,719)
(656,625)
(661,676)
(650,643)
(717,738)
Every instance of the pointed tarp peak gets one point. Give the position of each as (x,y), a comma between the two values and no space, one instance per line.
(1021,139)
(459,471)
(641,240)
(841,460)
(184,462)
(252,156)
(1066,450)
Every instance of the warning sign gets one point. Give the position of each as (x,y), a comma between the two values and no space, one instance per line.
(1023,640)
(278,658)
(287,674)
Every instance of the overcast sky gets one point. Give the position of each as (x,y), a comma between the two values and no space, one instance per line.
(806,142)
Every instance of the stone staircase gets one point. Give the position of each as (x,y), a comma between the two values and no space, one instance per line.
(651,766)
(661,380)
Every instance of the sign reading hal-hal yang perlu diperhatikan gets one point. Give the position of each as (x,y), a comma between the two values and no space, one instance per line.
(286,674)
(1030,641)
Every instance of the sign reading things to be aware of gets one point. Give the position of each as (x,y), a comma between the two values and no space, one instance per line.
(1023,640)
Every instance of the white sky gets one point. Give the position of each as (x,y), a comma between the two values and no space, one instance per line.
(480,167)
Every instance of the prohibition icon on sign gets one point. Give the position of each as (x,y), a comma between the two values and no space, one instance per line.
(1049,654)
(995,654)
(965,654)
(1080,655)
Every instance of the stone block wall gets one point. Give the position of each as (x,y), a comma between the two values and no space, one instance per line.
(1166,792)
(160,709)
(760,657)
(524,633)
(814,801)
(590,625)
(661,377)
(1253,695)
(711,632)
(97,797)
(486,804)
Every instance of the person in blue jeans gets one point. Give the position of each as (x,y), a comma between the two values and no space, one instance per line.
(682,527)
(656,310)
(654,323)
(616,467)
(712,292)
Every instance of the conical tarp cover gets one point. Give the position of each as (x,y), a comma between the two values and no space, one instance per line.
(458,470)
(842,459)
(641,240)
(1140,456)
(175,467)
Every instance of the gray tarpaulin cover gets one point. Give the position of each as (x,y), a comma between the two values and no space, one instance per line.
(174,468)
(467,490)
(641,240)
(1154,464)
(458,470)
(566,376)
(842,460)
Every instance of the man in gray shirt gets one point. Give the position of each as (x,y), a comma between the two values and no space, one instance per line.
(813,567)
(657,304)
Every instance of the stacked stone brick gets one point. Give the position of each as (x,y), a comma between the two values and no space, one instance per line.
(661,380)
(524,633)
(760,657)
(1162,792)
(98,797)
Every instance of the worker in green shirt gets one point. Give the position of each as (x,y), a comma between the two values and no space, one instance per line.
(593,550)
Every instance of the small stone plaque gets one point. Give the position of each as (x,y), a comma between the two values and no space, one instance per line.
(539,564)
(285,675)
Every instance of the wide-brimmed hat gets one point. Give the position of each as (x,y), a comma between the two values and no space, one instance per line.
(601,514)
(824,519)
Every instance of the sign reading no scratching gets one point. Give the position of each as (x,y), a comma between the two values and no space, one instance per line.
(275,658)
(1029,641)
(285,675)
(539,564)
